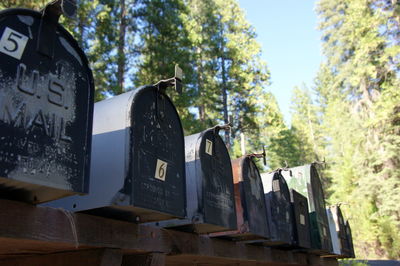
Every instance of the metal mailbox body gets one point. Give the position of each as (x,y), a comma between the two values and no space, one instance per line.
(334,235)
(279,211)
(305,180)
(209,185)
(301,221)
(349,252)
(138,163)
(252,224)
(340,228)
(46,109)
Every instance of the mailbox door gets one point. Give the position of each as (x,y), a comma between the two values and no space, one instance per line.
(320,219)
(280,209)
(254,206)
(46,108)
(301,220)
(217,181)
(157,164)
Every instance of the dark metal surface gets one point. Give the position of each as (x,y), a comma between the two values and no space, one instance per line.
(46,108)
(279,211)
(209,186)
(301,221)
(138,164)
(334,235)
(305,180)
(340,228)
(350,252)
(252,224)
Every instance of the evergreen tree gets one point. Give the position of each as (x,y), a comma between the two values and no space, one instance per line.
(359,96)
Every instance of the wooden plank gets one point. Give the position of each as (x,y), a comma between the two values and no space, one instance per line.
(95,257)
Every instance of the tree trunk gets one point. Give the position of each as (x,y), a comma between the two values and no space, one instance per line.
(121,46)
(225,100)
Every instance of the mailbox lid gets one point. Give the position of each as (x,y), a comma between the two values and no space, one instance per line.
(46,111)
(279,212)
(306,181)
(301,221)
(157,156)
(247,178)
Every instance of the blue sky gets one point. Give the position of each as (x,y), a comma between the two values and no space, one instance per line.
(287,31)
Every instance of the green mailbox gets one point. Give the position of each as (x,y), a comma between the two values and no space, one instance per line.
(305,180)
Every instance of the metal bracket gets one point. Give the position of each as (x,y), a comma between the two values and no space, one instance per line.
(225,127)
(259,155)
(48,24)
(176,81)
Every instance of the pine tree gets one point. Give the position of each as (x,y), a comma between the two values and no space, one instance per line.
(358,92)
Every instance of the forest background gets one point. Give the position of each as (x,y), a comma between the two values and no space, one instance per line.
(350,115)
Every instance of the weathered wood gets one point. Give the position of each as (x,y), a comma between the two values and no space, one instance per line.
(58,229)
(95,257)
(151,259)
(39,232)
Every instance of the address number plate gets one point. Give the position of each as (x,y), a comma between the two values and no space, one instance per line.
(13,43)
(161,170)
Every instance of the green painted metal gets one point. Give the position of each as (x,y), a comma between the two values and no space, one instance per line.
(305,179)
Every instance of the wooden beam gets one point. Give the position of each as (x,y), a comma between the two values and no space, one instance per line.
(151,259)
(29,230)
(95,257)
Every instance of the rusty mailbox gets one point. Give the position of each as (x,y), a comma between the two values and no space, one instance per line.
(46,106)
(278,207)
(138,163)
(305,179)
(209,185)
(301,221)
(252,224)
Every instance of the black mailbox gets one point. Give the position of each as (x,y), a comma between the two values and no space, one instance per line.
(279,212)
(301,221)
(349,251)
(209,185)
(138,162)
(46,107)
(252,224)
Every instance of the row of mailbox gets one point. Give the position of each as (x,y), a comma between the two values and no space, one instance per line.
(127,158)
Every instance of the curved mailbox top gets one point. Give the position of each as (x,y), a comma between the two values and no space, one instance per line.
(46,105)
(305,180)
(277,197)
(209,178)
(251,208)
(138,163)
